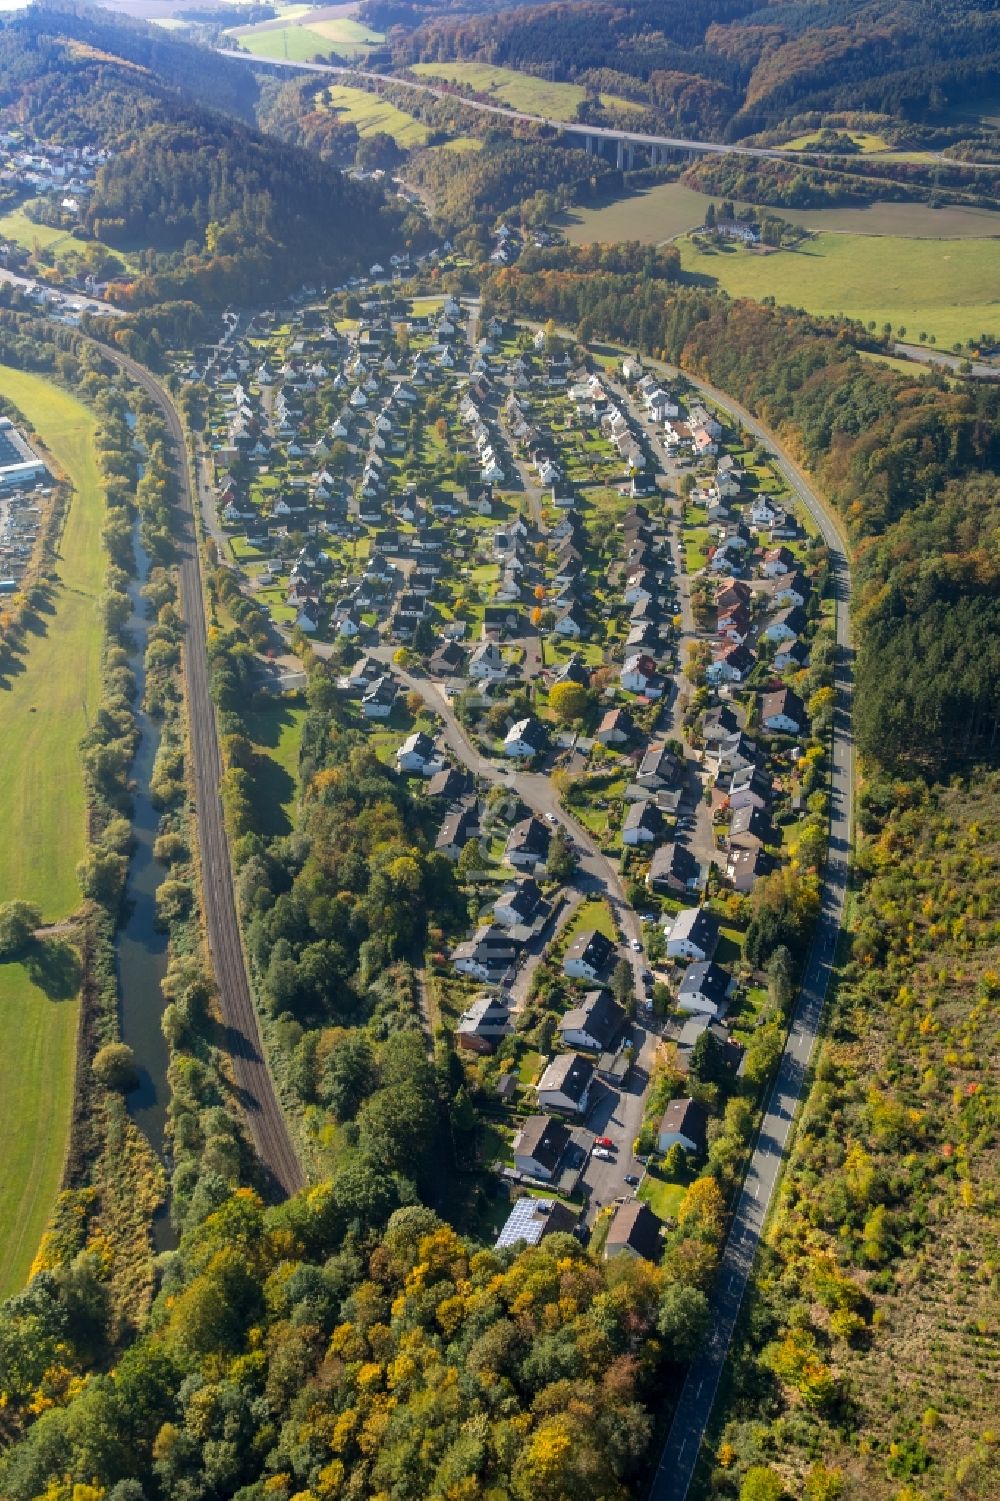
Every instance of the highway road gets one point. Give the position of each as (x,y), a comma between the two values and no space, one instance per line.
(572,127)
(255,1086)
(679,1458)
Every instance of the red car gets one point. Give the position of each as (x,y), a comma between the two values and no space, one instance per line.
(604,1141)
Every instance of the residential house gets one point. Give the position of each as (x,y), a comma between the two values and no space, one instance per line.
(674,869)
(518,904)
(595,1025)
(589,955)
(487,955)
(616,728)
(750,788)
(692,934)
(684,1124)
(418,754)
(750,826)
(484,1024)
(639,675)
(539,1147)
(783,712)
(643,824)
(787,624)
(659,768)
(634,1231)
(459,826)
(448,784)
(486,665)
(731,665)
(706,987)
(527,844)
(525,739)
(777,561)
(745,866)
(565,1084)
(379,698)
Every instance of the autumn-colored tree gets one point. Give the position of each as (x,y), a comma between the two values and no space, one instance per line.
(569,701)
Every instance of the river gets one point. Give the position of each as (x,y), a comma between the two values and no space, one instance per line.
(141,946)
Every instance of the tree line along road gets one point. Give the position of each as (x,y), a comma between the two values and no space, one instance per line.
(268,1129)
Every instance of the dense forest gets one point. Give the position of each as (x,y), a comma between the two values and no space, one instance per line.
(911,464)
(867,1361)
(735,65)
(220,210)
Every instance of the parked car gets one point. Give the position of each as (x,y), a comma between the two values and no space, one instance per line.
(632,1180)
(603,1141)
(604,1154)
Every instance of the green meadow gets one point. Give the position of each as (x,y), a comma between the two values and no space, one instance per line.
(535,96)
(45,707)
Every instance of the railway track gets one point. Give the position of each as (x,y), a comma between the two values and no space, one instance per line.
(268,1129)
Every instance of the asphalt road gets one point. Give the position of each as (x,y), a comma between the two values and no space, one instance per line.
(599,132)
(253,1080)
(679,1458)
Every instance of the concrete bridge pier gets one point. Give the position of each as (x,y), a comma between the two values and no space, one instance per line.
(620,160)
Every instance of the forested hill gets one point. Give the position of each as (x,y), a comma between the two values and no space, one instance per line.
(735,65)
(220,211)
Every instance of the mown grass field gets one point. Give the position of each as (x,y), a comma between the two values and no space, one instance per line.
(18,227)
(46,707)
(948,288)
(276,732)
(369,114)
(536,96)
(301,39)
(36,1096)
(44,711)
(660,213)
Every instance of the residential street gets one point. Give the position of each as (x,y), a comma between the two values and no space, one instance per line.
(680,1454)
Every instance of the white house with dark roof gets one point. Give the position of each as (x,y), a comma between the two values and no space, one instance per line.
(565,1084)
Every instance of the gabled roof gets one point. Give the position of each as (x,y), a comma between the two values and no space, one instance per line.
(634,1228)
(599,1015)
(569,1074)
(544,1139)
(708,979)
(686,1118)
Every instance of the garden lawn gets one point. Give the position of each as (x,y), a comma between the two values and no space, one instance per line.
(46,708)
(535,96)
(592,915)
(36,1096)
(663,1198)
(948,288)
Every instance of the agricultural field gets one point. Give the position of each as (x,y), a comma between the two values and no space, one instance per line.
(45,712)
(670,209)
(536,96)
(36,1096)
(48,705)
(370,114)
(946,288)
(302,38)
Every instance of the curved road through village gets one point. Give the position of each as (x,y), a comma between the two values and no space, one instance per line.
(255,1086)
(679,1458)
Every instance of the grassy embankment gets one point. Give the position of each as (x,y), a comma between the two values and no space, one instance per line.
(44,711)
